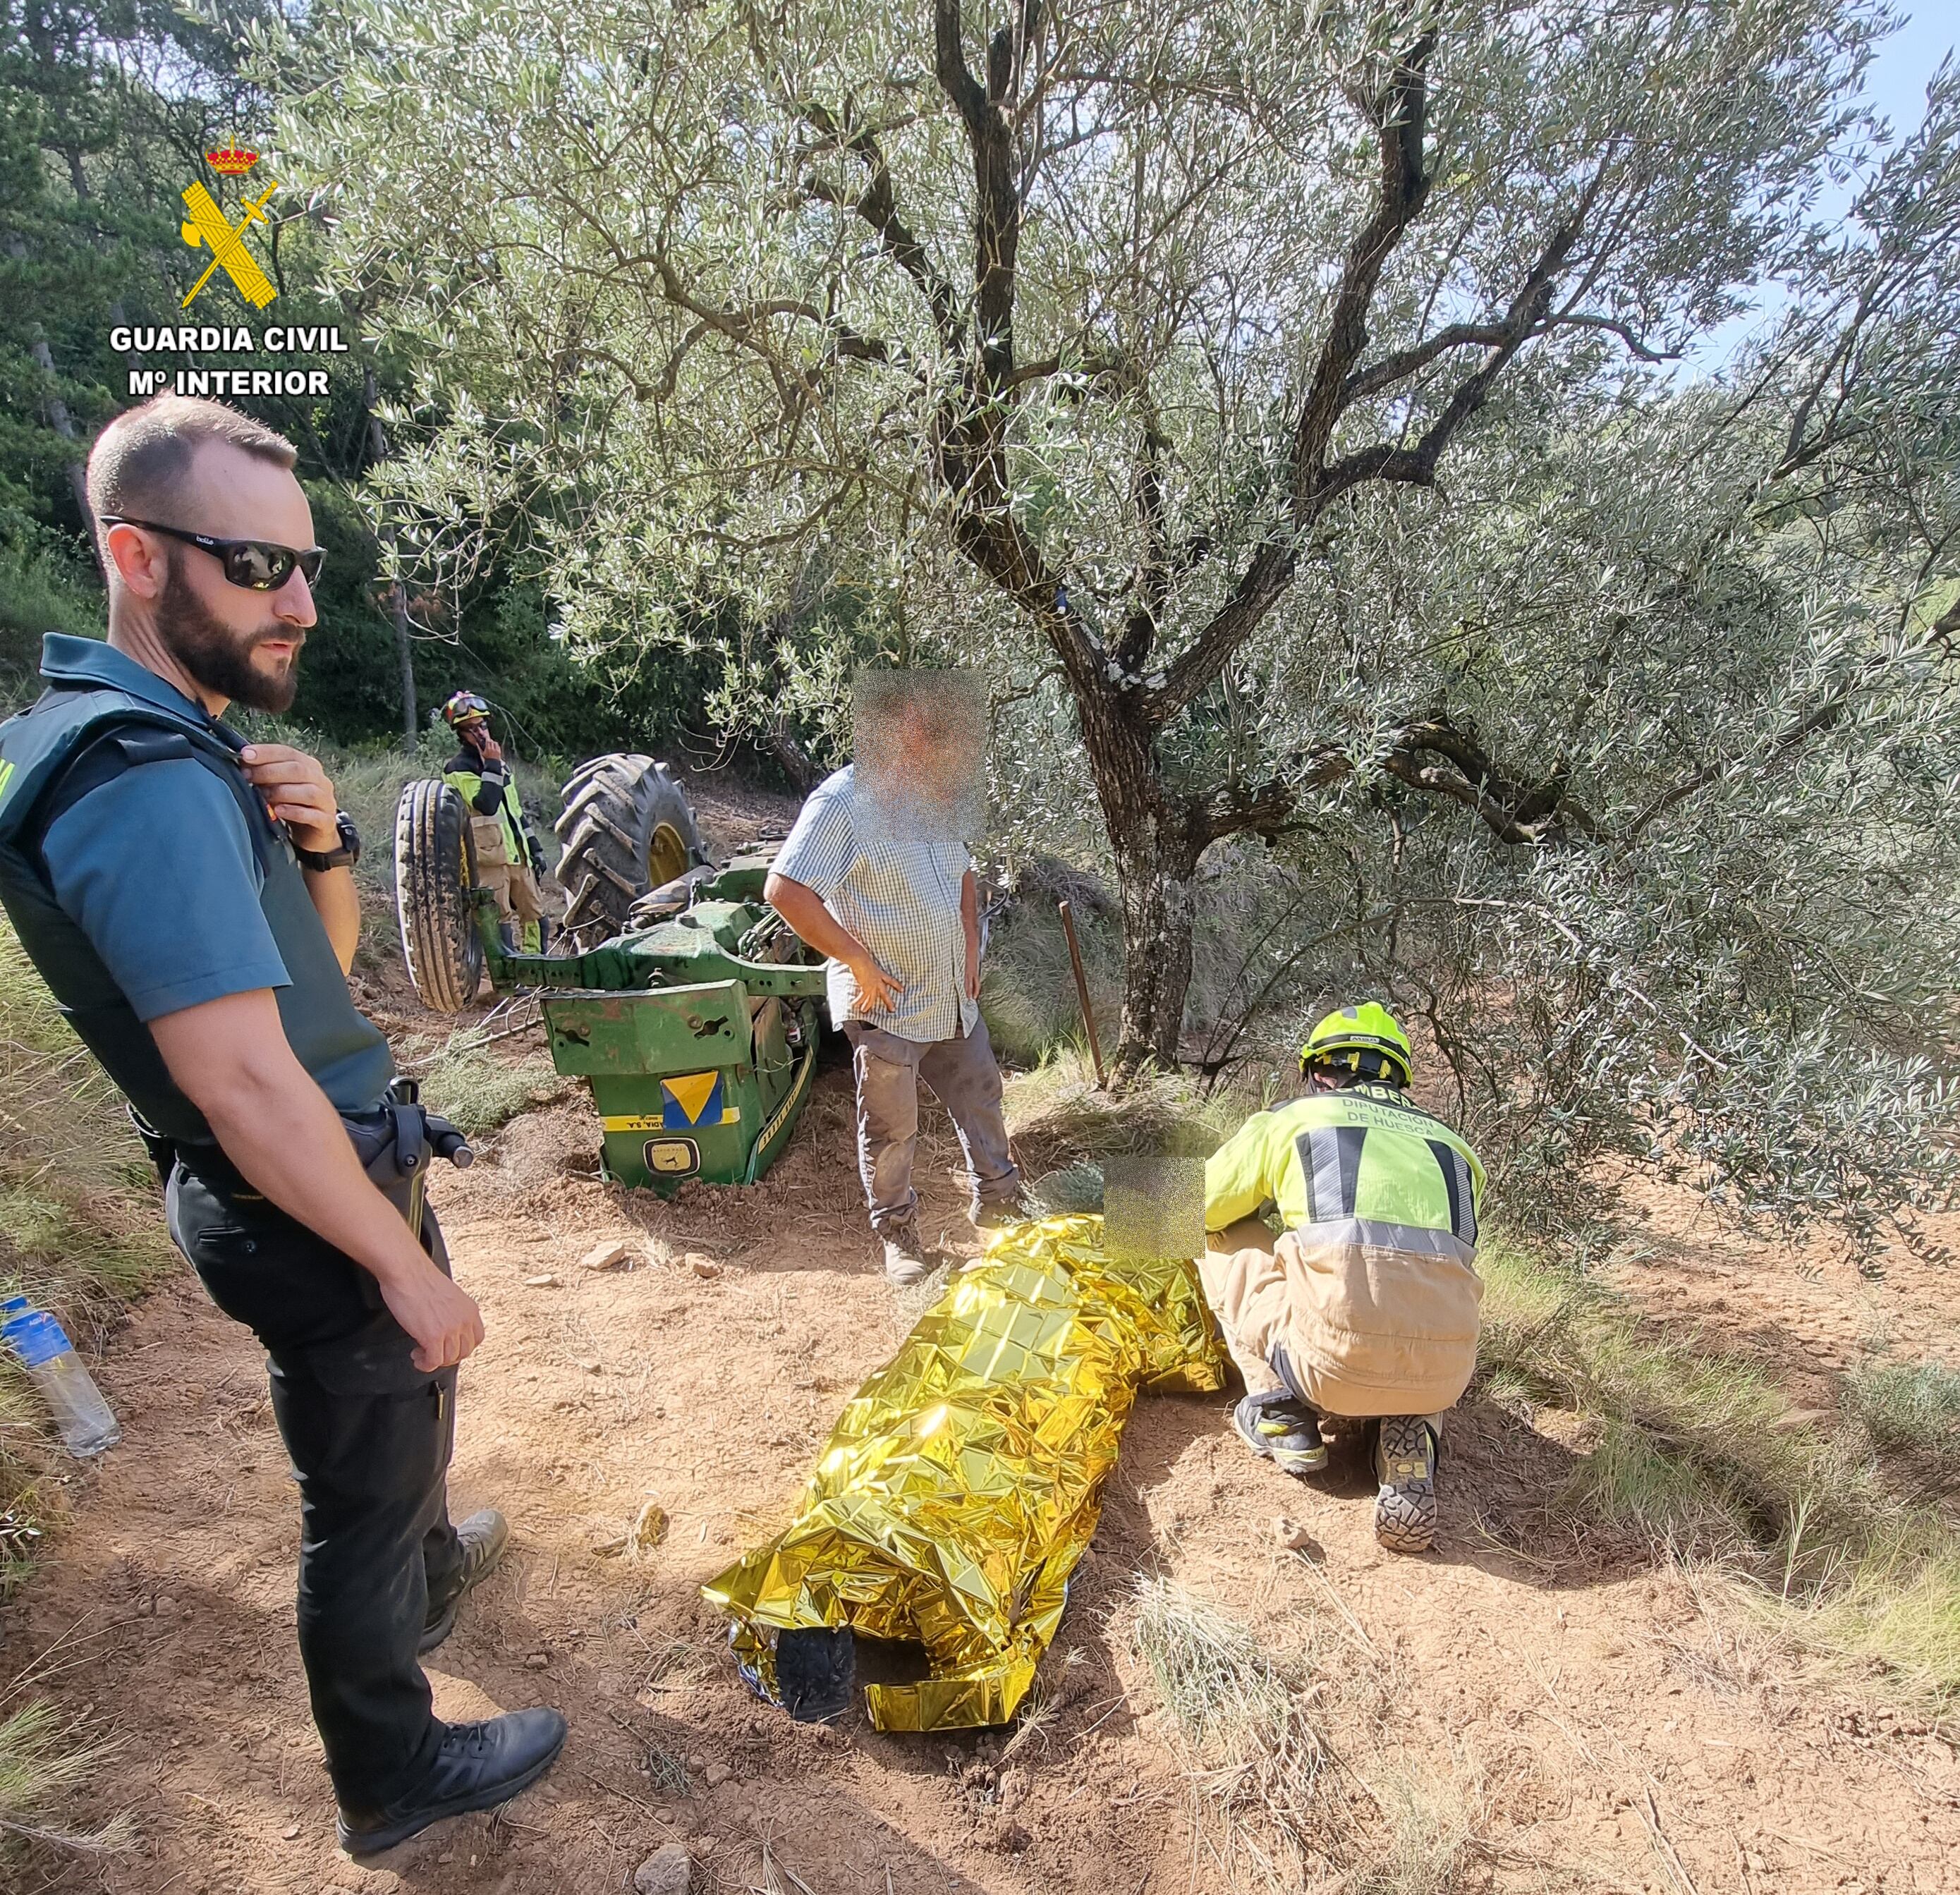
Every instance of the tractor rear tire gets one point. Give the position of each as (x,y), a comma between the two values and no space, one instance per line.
(435,869)
(627,827)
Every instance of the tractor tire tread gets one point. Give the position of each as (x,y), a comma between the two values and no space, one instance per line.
(434,863)
(613,806)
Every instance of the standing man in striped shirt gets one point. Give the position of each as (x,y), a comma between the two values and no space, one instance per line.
(1366,1309)
(877,876)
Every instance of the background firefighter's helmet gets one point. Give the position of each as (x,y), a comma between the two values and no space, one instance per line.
(1367,1039)
(465,707)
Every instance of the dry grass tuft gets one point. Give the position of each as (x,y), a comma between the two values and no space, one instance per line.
(1910,1405)
(1277,1804)
(1255,1764)
(1433,1806)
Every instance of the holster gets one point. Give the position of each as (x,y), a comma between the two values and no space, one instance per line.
(162,1150)
(397,1142)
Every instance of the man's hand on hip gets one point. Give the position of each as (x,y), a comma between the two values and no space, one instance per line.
(878,990)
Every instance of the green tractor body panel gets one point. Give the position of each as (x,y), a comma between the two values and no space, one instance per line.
(698,1034)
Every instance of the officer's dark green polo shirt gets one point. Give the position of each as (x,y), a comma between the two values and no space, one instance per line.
(158,869)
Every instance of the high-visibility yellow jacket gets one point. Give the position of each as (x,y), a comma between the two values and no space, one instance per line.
(1363,1153)
(491,795)
(1369,1304)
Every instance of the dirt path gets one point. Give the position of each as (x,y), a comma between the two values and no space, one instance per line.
(1568,1710)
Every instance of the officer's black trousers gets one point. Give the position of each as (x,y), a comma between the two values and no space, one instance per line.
(370,1436)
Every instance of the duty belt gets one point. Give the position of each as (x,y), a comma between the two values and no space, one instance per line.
(395,1143)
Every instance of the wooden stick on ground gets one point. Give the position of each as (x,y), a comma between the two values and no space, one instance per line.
(1082,990)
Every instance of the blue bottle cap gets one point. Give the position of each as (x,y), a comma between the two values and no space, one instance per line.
(37,1337)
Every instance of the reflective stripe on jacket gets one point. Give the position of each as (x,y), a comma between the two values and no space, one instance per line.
(1363,1155)
(492,798)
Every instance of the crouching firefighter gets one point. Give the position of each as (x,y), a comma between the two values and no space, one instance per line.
(189,898)
(1366,1309)
(509,861)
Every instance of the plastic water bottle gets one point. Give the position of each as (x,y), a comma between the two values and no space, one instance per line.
(41,1345)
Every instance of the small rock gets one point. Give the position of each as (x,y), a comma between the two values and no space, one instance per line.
(702,1266)
(696,1763)
(649,1530)
(145,1607)
(591,1365)
(166,1606)
(541,1283)
(537,1662)
(667,1871)
(716,1775)
(607,1256)
(1290,1533)
(290,1832)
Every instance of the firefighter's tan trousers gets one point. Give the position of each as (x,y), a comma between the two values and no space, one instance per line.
(519,898)
(1256,1300)
(1228,1269)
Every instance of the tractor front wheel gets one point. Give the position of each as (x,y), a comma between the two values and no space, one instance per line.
(435,869)
(627,827)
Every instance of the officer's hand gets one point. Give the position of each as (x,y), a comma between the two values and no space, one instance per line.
(877,990)
(489,749)
(443,1321)
(296,791)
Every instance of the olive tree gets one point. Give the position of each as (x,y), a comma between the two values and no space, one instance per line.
(1282,403)
(1122,303)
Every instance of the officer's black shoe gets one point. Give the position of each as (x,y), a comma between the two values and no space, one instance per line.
(484,1536)
(479,1766)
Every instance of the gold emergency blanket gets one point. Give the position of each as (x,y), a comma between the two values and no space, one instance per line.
(964,1480)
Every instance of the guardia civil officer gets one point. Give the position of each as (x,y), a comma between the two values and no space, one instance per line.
(188,899)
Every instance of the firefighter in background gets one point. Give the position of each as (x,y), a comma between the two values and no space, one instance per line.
(509,862)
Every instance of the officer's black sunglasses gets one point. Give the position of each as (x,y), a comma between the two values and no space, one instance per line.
(255,564)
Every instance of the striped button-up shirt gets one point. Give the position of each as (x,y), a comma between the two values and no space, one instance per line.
(893,877)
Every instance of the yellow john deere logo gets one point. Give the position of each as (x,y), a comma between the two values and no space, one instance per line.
(209,225)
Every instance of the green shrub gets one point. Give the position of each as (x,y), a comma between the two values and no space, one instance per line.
(1906,1404)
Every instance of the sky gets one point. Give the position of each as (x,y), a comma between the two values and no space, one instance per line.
(1896,83)
(1896,86)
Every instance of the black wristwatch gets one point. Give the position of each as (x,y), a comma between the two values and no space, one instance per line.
(343,857)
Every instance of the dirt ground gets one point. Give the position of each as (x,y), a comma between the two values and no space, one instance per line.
(1559,1695)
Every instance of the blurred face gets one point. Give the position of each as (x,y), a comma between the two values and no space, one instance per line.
(238,644)
(939,756)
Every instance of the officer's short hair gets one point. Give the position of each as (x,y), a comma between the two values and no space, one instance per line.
(141,457)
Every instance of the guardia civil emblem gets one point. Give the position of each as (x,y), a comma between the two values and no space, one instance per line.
(207,227)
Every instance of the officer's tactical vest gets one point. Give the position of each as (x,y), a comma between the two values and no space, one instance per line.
(78,737)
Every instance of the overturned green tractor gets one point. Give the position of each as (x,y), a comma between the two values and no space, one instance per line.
(696,1024)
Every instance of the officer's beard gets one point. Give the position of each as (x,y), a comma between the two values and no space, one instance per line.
(219,659)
